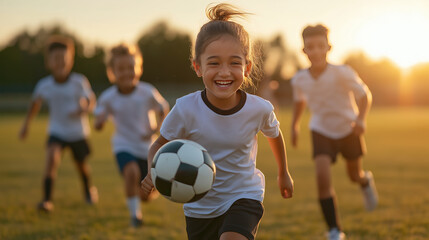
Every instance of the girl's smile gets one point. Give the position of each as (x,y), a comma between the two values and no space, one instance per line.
(223,67)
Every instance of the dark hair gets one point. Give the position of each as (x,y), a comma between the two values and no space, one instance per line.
(123,50)
(59,42)
(220,24)
(317,30)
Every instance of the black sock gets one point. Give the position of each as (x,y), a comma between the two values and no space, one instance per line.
(47,188)
(329,211)
(85,180)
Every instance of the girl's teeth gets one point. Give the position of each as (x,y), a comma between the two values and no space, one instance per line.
(223,82)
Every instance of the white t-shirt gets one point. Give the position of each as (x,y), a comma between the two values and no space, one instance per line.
(230,138)
(331,98)
(63,101)
(133,116)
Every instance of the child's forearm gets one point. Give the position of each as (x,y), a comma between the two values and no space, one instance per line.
(298,109)
(279,150)
(160,141)
(32,111)
(364,104)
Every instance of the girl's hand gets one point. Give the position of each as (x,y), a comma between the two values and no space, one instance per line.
(285,182)
(147,185)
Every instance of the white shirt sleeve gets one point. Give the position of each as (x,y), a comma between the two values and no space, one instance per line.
(173,126)
(353,82)
(270,125)
(102,107)
(39,90)
(157,100)
(86,88)
(298,95)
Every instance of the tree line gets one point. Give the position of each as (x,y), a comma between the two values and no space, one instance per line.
(166,54)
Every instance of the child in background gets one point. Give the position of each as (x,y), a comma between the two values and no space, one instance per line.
(339,102)
(69,97)
(137,109)
(225,120)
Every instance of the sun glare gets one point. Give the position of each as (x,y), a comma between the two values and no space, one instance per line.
(401,37)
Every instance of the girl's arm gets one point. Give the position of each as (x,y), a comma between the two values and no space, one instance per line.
(32,111)
(146,183)
(285,181)
(298,109)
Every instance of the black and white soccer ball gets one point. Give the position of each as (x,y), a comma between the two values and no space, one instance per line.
(183,171)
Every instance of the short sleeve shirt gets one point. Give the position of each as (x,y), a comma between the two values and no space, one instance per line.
(331,98)
(230,138)
(133,116)
(63,100)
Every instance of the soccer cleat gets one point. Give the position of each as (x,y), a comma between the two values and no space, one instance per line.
(335,234)
(136,222)
(369,192)
(45,206)
(92,198)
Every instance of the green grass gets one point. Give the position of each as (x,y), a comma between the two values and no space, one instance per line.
(397,142)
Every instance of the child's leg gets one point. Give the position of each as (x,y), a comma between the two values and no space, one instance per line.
(326,192)
(232,236)
(131,173)
(91,194)
(366,180)
(53,159)
(81,151)
(355,172)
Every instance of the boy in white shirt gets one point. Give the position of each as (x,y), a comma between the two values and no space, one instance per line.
(69,97)
(339,102)
(137,109)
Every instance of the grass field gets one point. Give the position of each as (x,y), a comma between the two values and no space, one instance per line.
(397,142)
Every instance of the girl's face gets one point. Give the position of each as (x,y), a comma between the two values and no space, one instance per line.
(316,47)
(223,67)
(127,73)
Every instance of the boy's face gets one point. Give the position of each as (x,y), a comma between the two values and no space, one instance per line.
(126,72)
(316,47)
(60,62)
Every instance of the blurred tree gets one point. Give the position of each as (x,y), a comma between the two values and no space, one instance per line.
(418,84)
(382,77)
(166,54)
(22,61)
(279,64)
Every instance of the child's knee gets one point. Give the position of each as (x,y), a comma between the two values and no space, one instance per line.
(354,177)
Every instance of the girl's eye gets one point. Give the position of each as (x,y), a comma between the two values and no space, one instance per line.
(212,63)
(236,63)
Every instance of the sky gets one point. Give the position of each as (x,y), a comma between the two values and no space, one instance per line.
(396,29)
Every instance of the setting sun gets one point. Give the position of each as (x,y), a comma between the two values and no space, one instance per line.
(403,37)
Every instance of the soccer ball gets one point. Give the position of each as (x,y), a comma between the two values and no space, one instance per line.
(183,171)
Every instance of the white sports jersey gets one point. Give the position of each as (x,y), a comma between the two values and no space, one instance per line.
(63,102)
(331,98)
(230,138)
(133,117)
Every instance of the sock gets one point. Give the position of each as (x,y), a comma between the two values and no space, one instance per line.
(329,211)
(134,207)
(85,180)
(47,188)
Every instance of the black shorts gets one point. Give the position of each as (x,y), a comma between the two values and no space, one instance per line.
(351,146)
(80,148)
(242,217)
(123,158)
